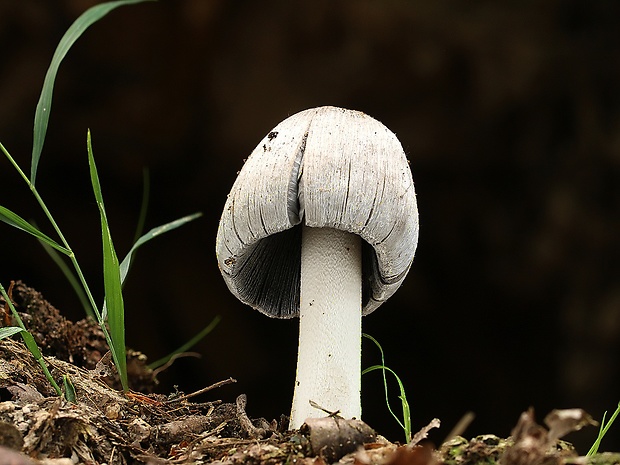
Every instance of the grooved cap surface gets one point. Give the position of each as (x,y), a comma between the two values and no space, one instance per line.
(326,167)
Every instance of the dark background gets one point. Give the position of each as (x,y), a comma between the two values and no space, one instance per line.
(508,111)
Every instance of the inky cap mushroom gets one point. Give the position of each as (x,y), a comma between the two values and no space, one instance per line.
(321,223)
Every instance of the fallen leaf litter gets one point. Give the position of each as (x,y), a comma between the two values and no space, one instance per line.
(107,427)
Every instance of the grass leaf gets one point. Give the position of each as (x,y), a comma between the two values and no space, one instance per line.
(36,353)
(111,279)
(31,344)
(18,222)
(406,423)
(152,234)
(44,106)
(9,331)
(28,339)
(603,431)
(69,389)
(188,345)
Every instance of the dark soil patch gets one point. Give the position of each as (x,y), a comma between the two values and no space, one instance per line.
(106,426)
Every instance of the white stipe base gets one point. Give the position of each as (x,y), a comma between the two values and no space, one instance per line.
(330,325)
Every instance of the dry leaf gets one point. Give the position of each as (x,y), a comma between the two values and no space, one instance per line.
(534,445)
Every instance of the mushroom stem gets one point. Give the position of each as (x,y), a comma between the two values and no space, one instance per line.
(330,325)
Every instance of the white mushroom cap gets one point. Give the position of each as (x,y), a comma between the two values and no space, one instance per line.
(329,168)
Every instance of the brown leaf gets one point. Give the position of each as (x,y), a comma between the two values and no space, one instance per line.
(562,422)
(534,445)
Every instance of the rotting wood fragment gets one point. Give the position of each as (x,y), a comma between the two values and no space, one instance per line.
(331,438)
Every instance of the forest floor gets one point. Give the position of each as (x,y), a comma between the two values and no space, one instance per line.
(106,426)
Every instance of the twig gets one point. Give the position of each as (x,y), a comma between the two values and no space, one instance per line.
(329,412)
(252,431)
(460,426)
(423,433)
(203,390)
(167,365)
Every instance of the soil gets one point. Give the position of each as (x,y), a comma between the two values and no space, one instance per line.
(106,426)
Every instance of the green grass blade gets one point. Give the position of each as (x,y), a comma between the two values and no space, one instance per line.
(597,443)
(29,341)
(14,163)
(406,411)
(44,106)
(18,222)
(188,345)
(603,431)
(69,389)
(31,344)
(9,331)
(406,423)
(90,306)
(36,353)
(152,234)
(111,279)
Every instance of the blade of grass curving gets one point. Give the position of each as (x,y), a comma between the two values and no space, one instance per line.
(152,234)
(29,340)
(44,106)
(603,431)
(597,443)
(188,345)
(406,423)
(111,279)
(7,216)
(66,249)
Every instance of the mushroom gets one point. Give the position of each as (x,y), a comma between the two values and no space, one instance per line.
(321,223)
